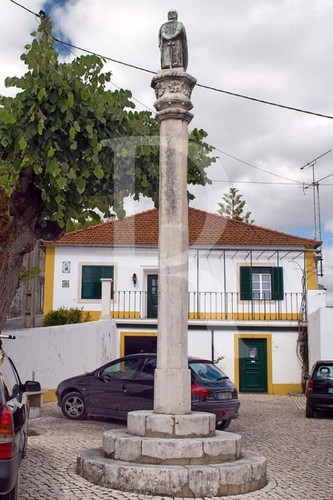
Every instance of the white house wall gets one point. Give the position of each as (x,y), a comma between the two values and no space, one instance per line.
(209,271)
(215,343)
(286,365)
(126,262)
(213,277)
(206,275)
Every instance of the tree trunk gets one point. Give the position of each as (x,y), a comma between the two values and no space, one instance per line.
(20,228)
(18,217)
(19,240)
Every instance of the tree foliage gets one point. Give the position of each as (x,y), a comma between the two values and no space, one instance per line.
(232,206)
(82,146)
(69,146)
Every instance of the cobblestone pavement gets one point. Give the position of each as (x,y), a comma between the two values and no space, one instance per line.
(298,451)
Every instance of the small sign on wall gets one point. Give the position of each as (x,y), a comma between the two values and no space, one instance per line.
(66,266)
(65,284)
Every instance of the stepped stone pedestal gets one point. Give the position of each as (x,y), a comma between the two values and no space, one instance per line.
(156,455)
(171,451)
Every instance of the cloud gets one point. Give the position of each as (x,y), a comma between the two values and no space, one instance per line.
(276,51)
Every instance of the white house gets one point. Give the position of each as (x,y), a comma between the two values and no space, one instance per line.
(248,288)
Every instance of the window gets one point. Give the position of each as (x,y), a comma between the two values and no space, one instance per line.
(261,283)
(324,372)
(91,281)
(207,372)
(122,369)
(148,370)
(9,377)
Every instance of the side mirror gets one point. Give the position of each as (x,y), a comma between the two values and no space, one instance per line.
(306,377)
(31,386)
(98,375)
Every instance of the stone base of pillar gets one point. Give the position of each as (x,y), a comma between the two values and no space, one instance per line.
(173,455)
(235,477)
(159,425)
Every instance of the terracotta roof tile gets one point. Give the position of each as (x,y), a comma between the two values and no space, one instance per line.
(205,229)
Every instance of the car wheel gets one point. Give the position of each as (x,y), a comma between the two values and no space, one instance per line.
(73,407)
(12,495)
(308,411)
(223,425)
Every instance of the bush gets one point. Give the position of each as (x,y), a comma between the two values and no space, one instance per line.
(65,316)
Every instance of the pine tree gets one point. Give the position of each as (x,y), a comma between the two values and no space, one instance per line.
(232,206)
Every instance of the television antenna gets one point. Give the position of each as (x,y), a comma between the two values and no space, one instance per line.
(316,205)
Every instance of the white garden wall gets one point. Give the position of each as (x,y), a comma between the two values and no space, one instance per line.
(320,334)
(51,354)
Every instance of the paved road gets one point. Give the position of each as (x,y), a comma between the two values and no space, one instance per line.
(298,450)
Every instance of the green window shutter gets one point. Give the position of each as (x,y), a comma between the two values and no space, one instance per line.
(245,283)
(91,281)
(277,283)
(86,287)
(97,285)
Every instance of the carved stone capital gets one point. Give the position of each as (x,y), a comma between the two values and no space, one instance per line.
(173,91)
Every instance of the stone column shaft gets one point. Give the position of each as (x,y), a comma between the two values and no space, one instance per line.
(172,376)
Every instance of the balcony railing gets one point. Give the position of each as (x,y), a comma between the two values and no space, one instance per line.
(211,306)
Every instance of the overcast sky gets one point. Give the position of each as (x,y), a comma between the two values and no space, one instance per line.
(279,51)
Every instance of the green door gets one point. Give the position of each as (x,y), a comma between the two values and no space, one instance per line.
(252,365)
(152,300)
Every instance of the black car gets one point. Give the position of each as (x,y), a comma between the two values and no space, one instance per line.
(14,415)
(127,384)
(319,388)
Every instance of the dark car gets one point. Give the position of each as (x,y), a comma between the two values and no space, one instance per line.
(14,415)
(319,388)
(127,384)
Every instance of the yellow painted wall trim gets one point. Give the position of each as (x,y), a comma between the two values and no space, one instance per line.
(49,396)
(49,280)
(280,389)
(125,314)
(247,316)
(95,316)
(123,335)
(311,271)
(268,338)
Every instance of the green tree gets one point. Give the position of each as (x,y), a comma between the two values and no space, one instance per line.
(69,146)
(232,206)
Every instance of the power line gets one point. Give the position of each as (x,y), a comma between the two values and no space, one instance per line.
(257,168)
(257,182)
(207,87)
(103,57)
(264,182)
(291,181)
(133,98)
(25,8)
(262,101)
(140,68)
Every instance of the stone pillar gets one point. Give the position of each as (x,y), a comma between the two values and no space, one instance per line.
(106,298)
(172,376)
(171,451)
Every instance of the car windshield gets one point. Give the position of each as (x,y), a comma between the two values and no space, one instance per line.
(324,371)
(208,372)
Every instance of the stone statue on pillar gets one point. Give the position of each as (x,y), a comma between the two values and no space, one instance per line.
(173,43)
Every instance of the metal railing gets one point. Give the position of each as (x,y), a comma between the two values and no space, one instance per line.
(211,306)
